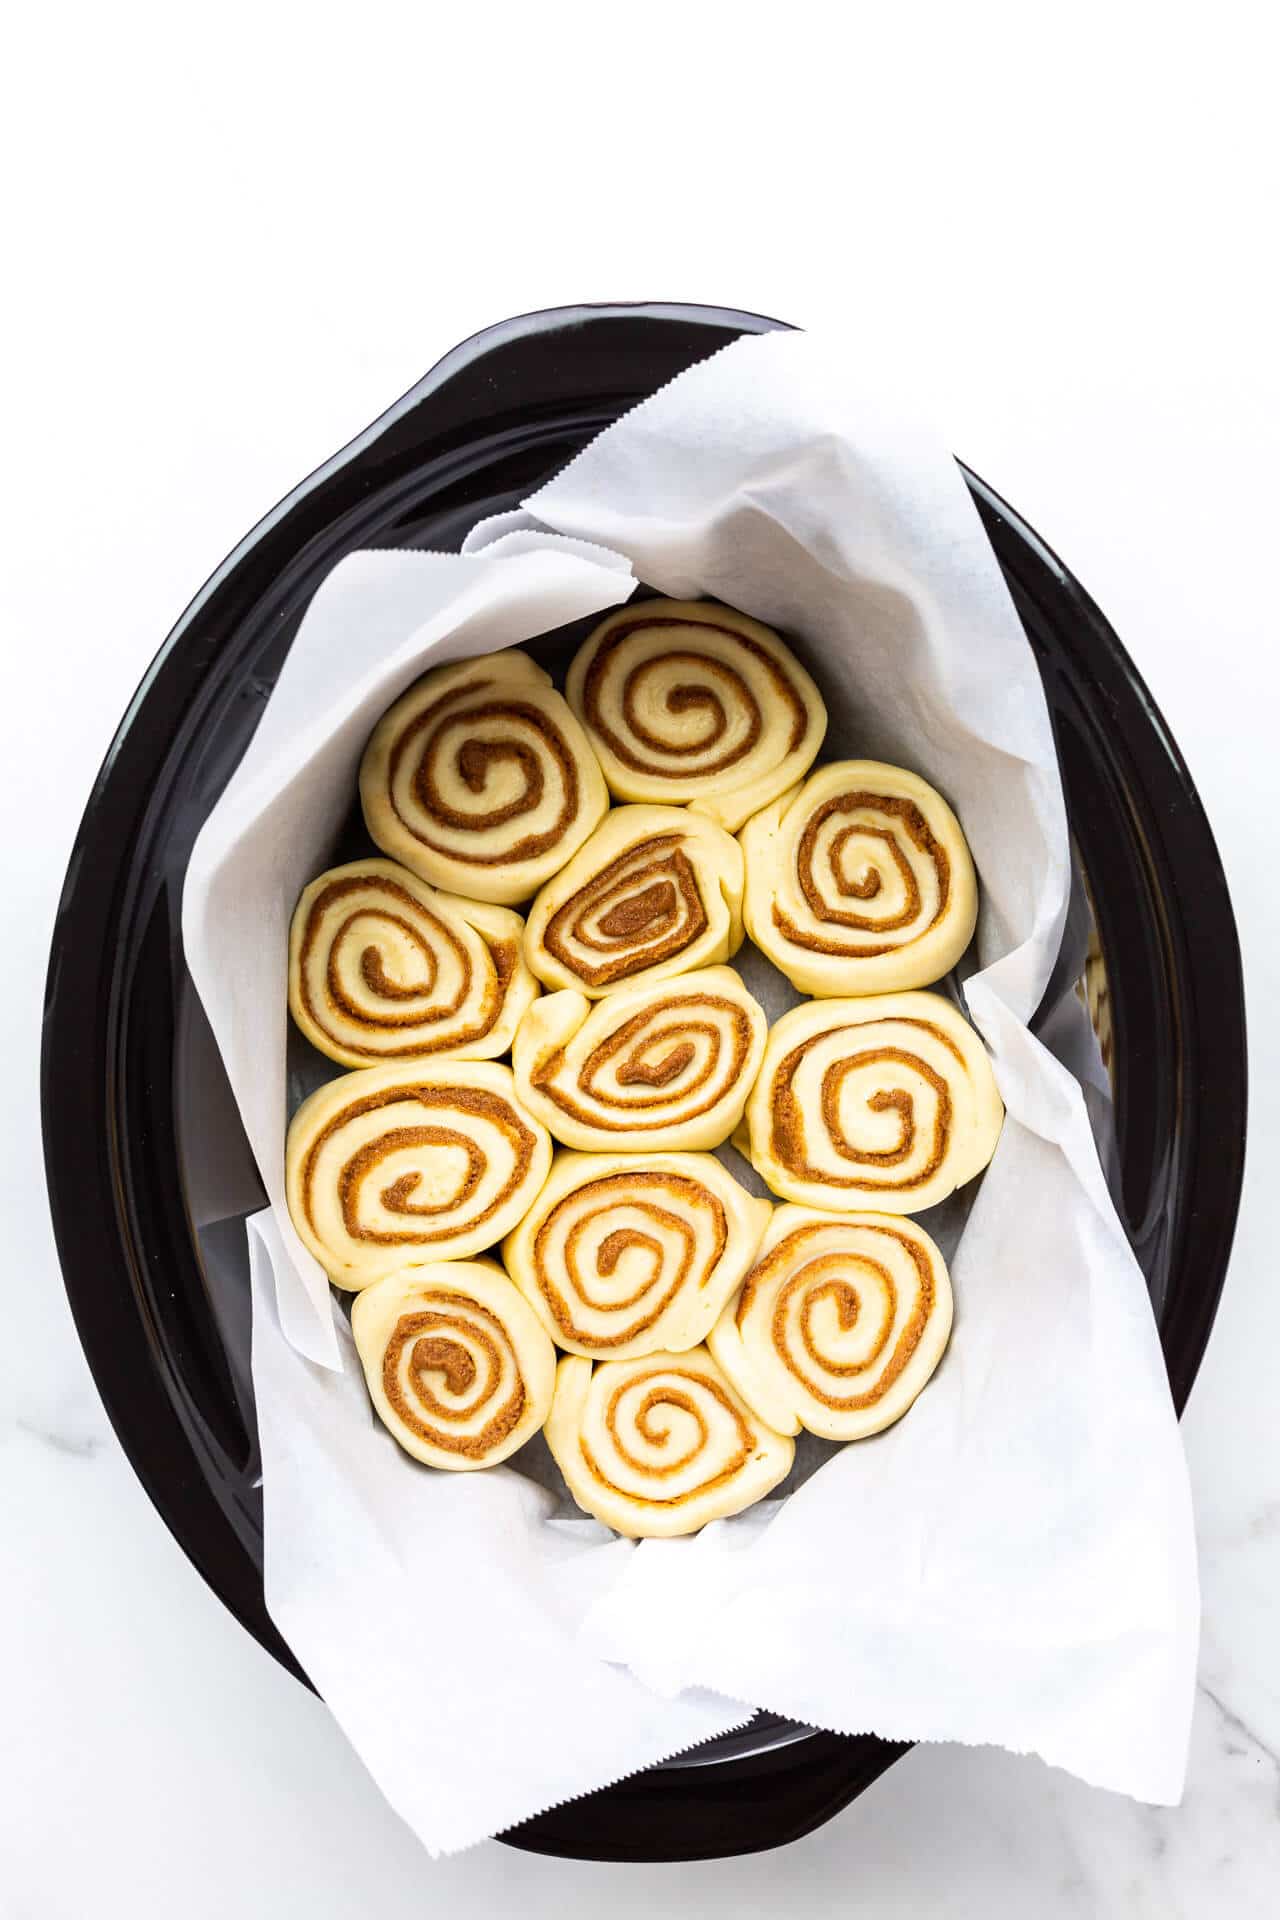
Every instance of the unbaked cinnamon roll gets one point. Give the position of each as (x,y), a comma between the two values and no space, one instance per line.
(624,1255)
(859,882)
(460,1370)
(662,1445)
(887,1103)
(655,891)
(381,967)
(394,1165)
(664,1063)
(688,702)
(480,780)
(839,1324)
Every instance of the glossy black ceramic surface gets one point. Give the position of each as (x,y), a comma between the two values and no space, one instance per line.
(148,1196)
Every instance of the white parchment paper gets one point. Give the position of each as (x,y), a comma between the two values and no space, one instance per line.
(1014,1562)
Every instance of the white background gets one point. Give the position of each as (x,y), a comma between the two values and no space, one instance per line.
(234,235)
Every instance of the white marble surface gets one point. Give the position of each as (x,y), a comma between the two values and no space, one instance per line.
(214,294)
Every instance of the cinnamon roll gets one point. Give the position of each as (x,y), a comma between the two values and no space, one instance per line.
(662,1445)
(664,1063)
(459,1369)
(839,1324)
(383,967)
(623,1255)
(655,891)
(887,1103)
(399,1164)
(480,780)
(688,702)
(859,882)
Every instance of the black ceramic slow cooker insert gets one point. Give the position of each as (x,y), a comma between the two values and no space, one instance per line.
(148,1201)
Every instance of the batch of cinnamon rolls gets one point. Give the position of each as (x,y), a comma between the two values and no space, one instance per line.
(533,989)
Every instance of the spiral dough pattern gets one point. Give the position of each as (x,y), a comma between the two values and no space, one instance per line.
(888,1103)
(662,1445)
(621,1256)
(480,780)
(458,1368)
(688,702)
(839,1324)
(383,967)
(402,1164)
(861,882)
(663,1065)
(655,891)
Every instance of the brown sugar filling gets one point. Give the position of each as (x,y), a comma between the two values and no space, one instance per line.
(827,1277)
(866,886)
(436,1348)
(425,734)
(397,1197)
(727,685)
(671,1396)
(649,912)
(634,1191)
(675,1050)
(378,982)
(787,1127)
(658,912)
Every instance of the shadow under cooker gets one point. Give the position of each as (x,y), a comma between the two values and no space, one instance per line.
(148,1209)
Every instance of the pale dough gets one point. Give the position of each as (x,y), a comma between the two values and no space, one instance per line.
(416,1161)
(655,891)
(859,882)
(626,1254)
(667,1063)
(691,703)
(459,1369)
(887,1103)
(382,966)
(839,1324)
(660,1446)
(480,779)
